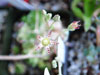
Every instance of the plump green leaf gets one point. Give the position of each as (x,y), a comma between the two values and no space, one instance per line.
(20,68)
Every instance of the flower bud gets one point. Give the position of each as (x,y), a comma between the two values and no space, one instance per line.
(74,25)
(56,18)
(54,64)
(44,12)
(48,16)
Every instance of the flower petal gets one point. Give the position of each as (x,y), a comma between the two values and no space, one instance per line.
(49,33)
(39,38)
(53,42)
(48,49)
(39,47)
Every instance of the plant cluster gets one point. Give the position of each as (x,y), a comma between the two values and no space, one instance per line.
(38,33)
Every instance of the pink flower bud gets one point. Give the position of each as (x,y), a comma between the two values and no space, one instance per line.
(74,25)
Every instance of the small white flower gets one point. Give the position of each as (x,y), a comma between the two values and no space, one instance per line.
(45,42)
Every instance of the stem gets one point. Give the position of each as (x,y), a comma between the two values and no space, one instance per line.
(20,57)
(37,22)
(59,68)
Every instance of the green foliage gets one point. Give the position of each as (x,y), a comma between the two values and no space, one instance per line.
(28,32)
(42,65)
(76,10)
(16,49)
(89,7)
(30,19)
(90,53)
(20,68)
(34,62)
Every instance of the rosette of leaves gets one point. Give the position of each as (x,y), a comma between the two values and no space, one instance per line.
(26,32)
(27,36)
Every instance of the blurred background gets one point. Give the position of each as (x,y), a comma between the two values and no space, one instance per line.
(19,23)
